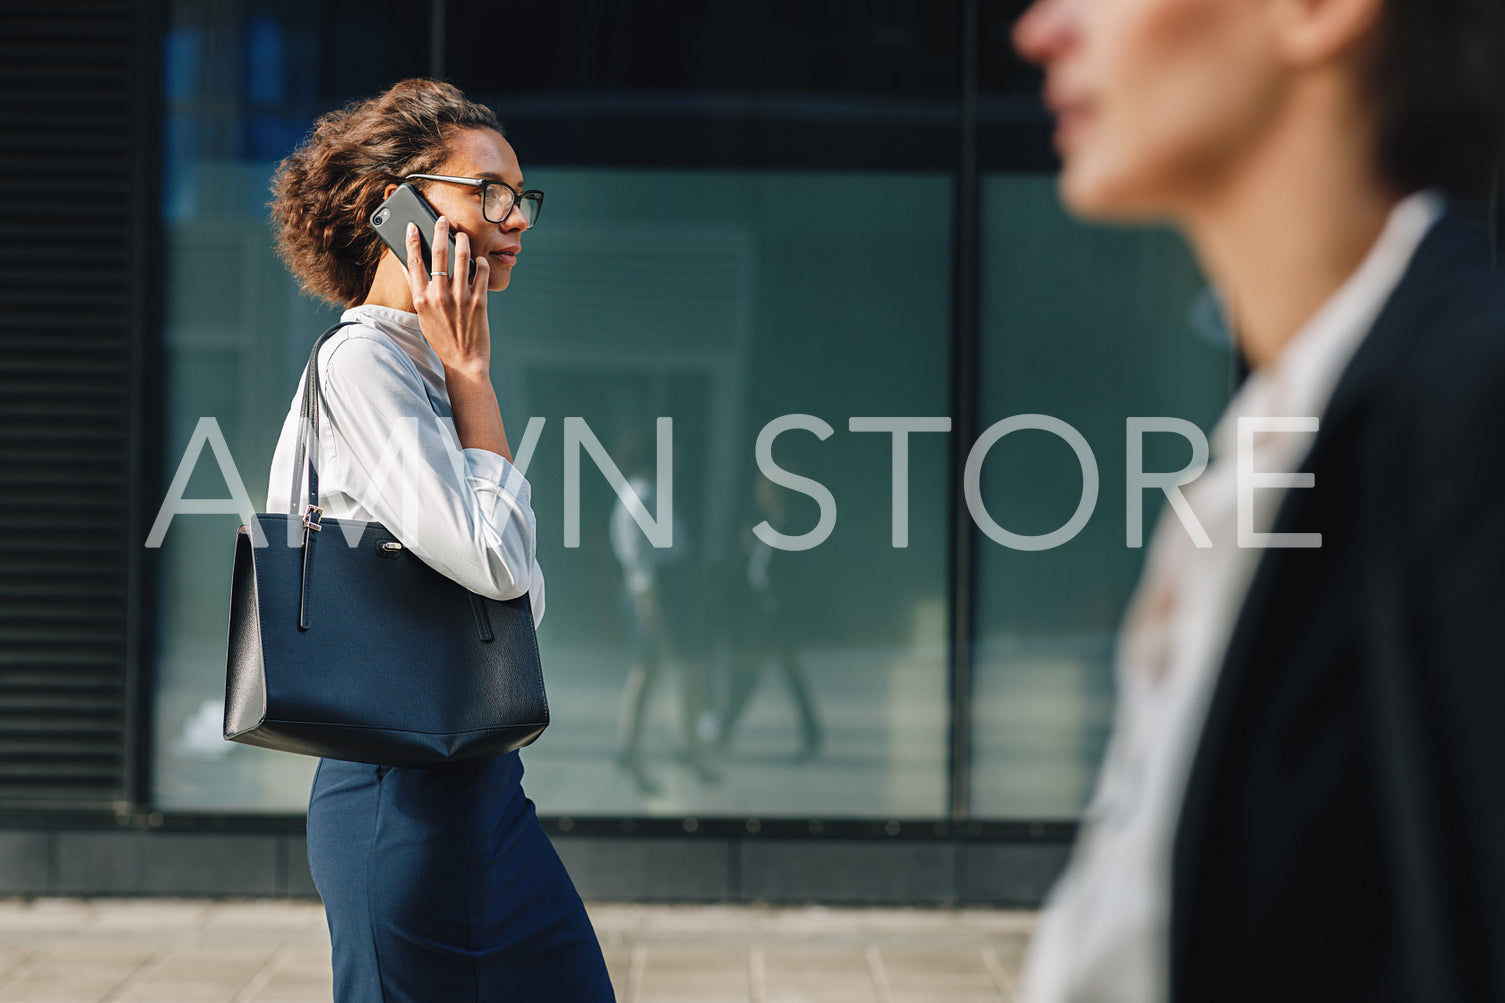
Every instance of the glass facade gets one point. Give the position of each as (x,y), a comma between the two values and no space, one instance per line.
(752,226)
(1100,327)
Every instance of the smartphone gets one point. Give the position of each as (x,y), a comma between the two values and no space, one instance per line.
(391,219)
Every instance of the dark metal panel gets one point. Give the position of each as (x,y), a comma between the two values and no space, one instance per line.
(69,171)
(965,334)
(1496,216)
(849,872)
(161,863)
(662,83)
(295,880)
(94,853)
(24,862)
(649,868)
(1010,874)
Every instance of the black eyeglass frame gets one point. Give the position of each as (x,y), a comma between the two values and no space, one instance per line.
(517,196)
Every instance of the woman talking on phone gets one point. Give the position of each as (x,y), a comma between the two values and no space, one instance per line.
(437,884)
(1304,794)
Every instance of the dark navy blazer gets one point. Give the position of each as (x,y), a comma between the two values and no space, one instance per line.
(1342,837)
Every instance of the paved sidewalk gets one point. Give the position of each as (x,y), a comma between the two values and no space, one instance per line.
(165,951)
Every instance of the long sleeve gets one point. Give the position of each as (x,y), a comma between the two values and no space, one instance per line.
(467,513)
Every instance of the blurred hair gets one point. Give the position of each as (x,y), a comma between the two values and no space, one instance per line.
(324,191)
(1440,79)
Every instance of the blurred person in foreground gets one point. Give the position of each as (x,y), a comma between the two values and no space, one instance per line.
(1304,794)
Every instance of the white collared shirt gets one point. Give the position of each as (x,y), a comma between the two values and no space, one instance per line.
(389,454)
(1103,935)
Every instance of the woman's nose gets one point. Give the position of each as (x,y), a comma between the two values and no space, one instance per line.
(514,222)
(1045,30)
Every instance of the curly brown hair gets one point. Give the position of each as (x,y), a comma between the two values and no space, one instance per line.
(323,192)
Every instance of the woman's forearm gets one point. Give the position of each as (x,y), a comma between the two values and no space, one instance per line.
(478,417)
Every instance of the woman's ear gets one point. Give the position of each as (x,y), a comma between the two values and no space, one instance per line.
(1309,33)
(386,192)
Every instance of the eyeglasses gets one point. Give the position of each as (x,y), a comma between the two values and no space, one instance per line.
(497,197)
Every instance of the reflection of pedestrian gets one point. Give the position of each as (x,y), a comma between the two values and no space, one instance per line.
(1304,794)
(761,632)
(665,610)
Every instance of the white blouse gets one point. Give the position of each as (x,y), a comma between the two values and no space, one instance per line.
(388,453)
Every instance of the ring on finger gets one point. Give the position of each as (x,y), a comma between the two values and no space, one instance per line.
(445,274)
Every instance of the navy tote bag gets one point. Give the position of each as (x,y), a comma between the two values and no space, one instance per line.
(365,653)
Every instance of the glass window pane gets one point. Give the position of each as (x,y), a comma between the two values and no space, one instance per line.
(723,292)
(1090,326)
(717,306)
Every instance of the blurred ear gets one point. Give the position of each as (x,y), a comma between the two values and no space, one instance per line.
(1312,32)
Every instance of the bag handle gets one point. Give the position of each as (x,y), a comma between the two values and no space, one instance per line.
(306,462)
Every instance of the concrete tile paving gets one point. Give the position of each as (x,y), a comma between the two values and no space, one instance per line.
(189,951)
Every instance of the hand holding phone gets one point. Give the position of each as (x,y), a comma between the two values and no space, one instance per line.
(391,219)
(451,314)
(451,310)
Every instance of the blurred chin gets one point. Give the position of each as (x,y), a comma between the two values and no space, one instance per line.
(1083,192)
(499,279)
(1093,192)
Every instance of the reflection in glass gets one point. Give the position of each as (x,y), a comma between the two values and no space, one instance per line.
(1090,326)
(719,309)
(722,309)
(766,634)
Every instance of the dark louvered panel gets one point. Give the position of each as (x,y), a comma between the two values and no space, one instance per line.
(69,202)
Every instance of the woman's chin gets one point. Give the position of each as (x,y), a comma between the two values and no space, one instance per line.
(1101,197)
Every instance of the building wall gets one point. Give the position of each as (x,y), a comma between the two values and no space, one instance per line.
(752,213)
(78,218)
(176,855)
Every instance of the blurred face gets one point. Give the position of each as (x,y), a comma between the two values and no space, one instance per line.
(1158,102)
(480,153)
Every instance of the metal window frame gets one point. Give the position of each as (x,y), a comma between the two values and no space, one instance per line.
(148,429)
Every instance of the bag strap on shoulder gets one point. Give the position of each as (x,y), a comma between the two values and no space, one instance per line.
(306,462)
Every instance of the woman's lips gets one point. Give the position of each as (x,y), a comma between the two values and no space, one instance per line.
(1072,107)
(1071,119)
(508,258)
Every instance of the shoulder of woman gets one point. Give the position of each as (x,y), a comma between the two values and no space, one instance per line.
(360,351)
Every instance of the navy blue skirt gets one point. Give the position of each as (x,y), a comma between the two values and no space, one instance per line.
(441,885)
